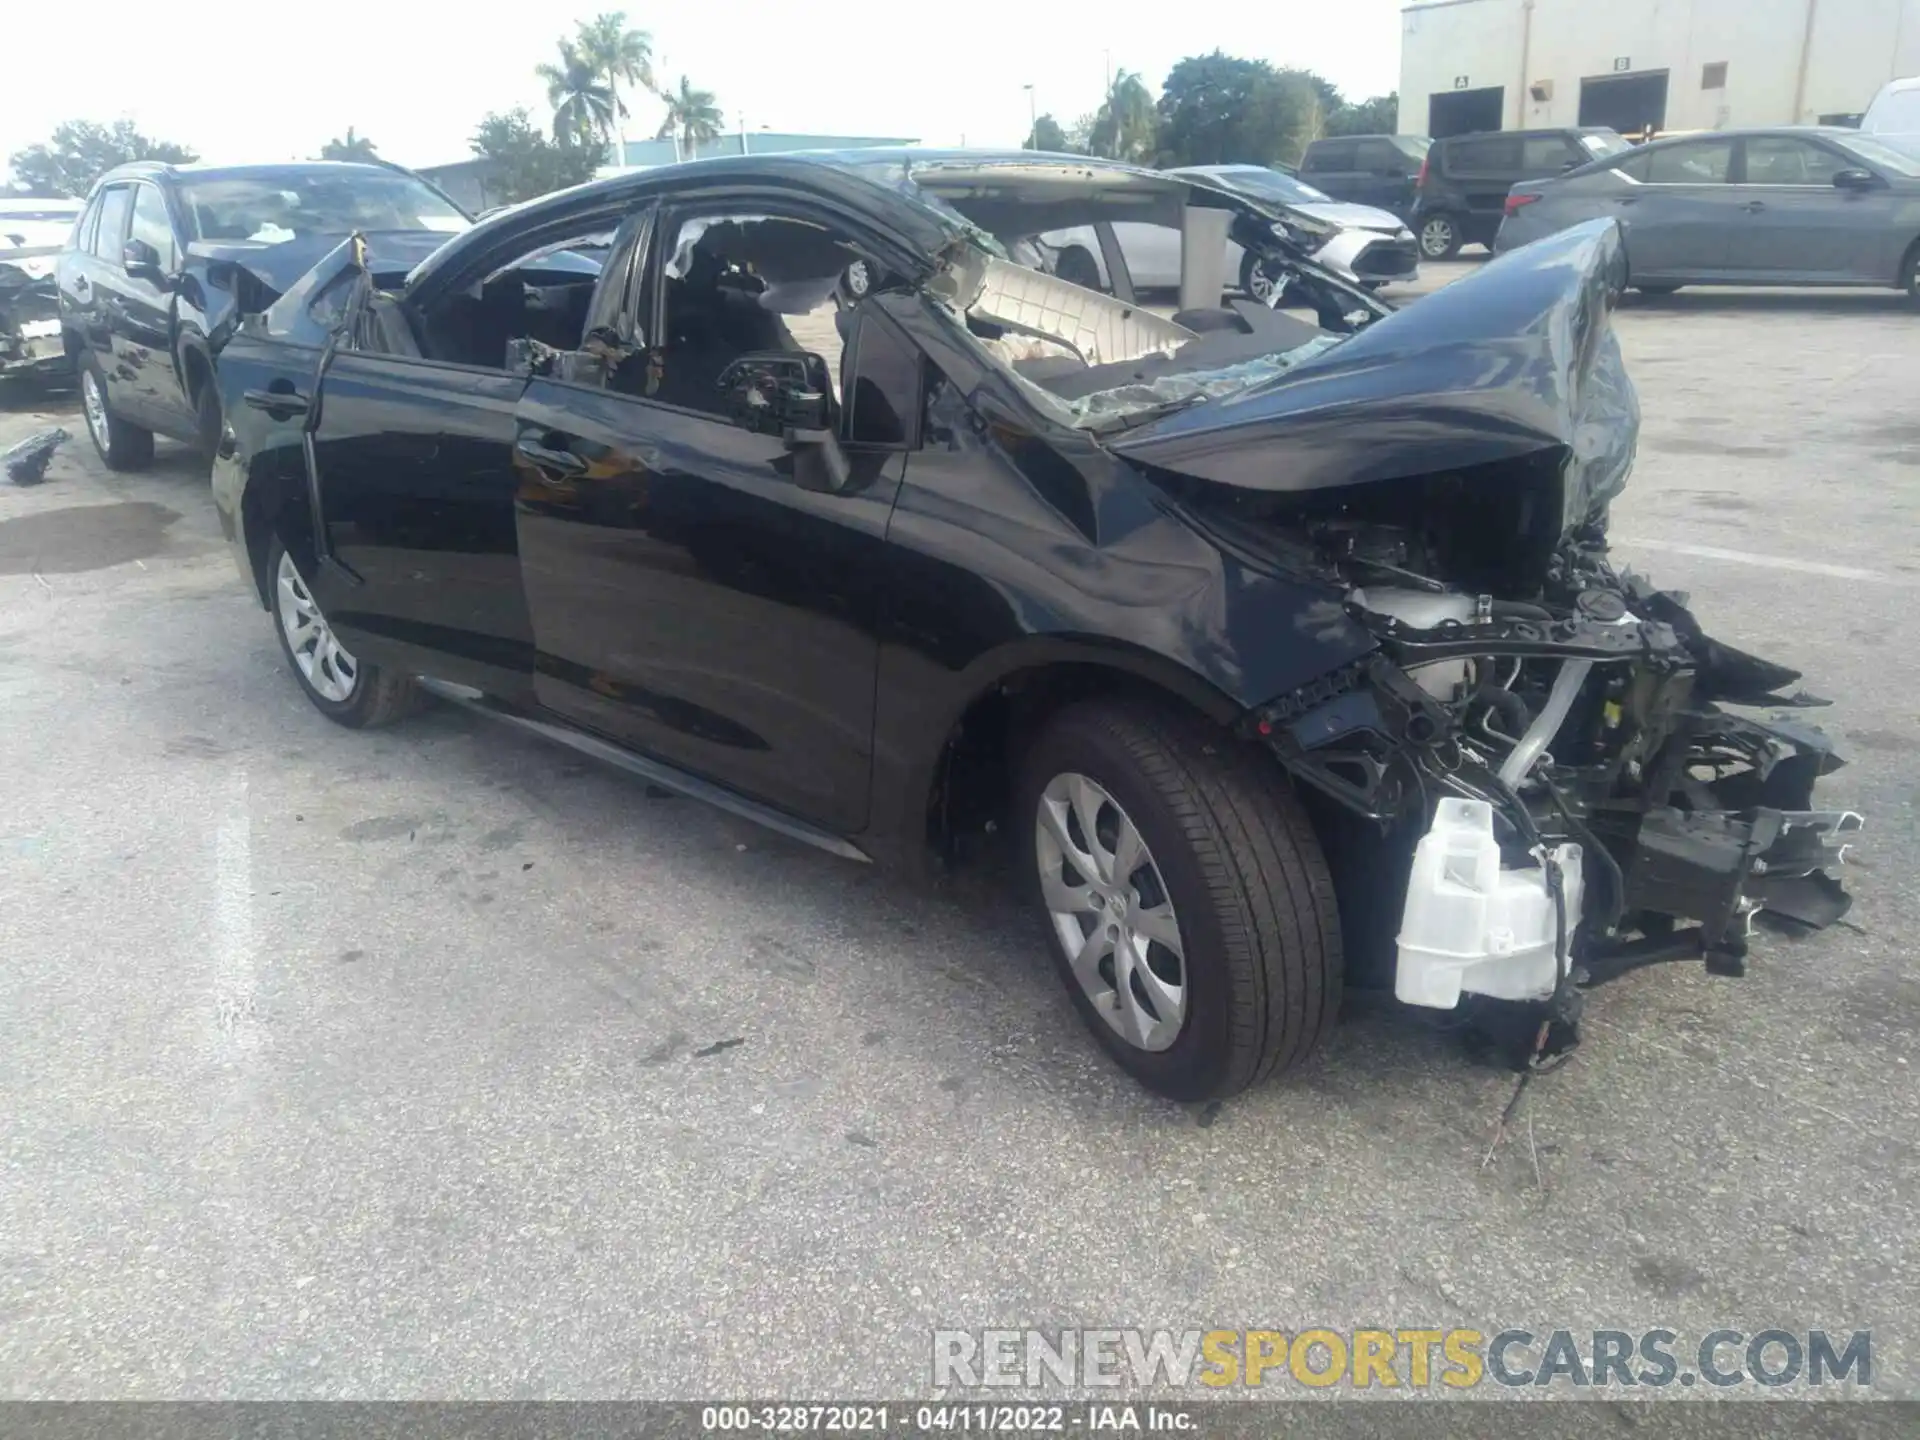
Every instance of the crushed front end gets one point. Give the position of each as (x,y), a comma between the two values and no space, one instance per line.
(1544,769)
(30,342)
(1581,787)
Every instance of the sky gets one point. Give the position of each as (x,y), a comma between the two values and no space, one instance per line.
(273,81)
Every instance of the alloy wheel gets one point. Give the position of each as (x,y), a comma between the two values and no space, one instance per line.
(323,661)
(1260,284)
(1436,237)
(95,405)
(1111,912)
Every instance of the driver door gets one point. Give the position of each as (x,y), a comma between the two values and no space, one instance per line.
(691,597)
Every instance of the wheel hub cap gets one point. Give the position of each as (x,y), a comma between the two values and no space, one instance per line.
(1111,913)
(322,660)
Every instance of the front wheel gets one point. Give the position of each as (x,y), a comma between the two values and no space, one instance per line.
(345,689)
(1910,274)
(1188,907)
(1440,237)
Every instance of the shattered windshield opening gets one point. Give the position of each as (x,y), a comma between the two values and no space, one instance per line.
(1080,281)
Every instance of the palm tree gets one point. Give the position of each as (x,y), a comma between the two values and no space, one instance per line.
(354,147)
(582,106)
(1126,125)
(619,54)
(694,115)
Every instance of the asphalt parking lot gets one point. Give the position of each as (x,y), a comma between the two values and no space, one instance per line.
(439,1063)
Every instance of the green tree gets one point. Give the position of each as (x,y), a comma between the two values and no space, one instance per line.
(693,115)
(81,151)
(618,53)
(527,163)
(1378,116)
(582,105)
(1222,110)
(1047,135)
(1125,127)
(354,147)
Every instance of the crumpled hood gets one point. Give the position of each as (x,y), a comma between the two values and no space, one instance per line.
(1518,359)
(390,254)
(1353,217)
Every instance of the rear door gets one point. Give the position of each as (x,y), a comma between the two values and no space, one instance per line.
(1380,173)
(691,597)
(1480,170)
(1332,167)
(1798,224)
(414,481)
(99,285)
(1682,213)
(143,345)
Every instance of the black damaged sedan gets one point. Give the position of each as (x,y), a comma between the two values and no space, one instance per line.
(1280,639)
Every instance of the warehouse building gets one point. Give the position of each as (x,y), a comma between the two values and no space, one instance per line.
(1639,65)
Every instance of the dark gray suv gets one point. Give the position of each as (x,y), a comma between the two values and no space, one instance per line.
(1462,191)
(1796,206)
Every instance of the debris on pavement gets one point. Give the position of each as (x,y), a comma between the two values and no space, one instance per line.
(26,463)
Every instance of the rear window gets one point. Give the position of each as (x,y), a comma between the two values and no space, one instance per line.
(1698,162)
(1325,155)
(1415,146)
(111,238)
(1380,154)
(1492,155)
(1602,143)
(1545,154)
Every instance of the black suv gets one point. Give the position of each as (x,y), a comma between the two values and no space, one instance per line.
(166,259)
(1462,190)
(1376,170)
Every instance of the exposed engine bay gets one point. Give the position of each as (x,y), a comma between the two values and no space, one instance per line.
(1558,768)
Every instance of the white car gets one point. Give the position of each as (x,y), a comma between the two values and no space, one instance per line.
(1371,246)
(1894,116)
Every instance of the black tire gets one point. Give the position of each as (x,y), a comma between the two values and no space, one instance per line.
(1656,292)
(1440,236)
(1077,266)
(1244,873)
(209,420)
(1251,274)
(377,696)
(1910,273)
(122,445)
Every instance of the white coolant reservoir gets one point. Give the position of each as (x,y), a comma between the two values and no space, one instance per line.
(1471,927)
(1423,609)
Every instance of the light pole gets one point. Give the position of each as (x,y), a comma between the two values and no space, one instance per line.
(1033,117)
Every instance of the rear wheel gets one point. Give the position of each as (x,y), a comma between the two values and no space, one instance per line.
(1440,237)
(1910,274)
(1189,910)
(122,446)
(345,689)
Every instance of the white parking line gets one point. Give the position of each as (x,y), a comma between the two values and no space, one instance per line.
(1768,562)
(235,976)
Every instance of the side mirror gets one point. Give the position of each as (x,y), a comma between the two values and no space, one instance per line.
(141,260)
(789,395)
(1856,180)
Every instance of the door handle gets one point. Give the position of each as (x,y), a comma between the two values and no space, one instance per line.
(553,464)
(278,403)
